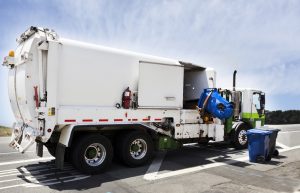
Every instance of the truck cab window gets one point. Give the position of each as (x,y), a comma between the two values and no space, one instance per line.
(258,101)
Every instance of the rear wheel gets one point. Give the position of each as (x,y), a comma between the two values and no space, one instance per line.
(93,154)
(240,139)
(135,148)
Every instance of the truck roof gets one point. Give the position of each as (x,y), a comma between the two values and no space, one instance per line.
(144,57)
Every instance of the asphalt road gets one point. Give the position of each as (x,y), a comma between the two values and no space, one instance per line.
(216,168)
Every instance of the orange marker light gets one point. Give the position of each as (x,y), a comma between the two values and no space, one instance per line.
(11,53)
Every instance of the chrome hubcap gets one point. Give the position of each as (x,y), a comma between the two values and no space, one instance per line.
(242,137)
(138,149)
(95,154)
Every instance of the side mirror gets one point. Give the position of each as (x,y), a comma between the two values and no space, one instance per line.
(262,100)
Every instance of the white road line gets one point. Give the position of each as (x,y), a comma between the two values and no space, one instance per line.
(289,149)
(25,161)
(25,171)
(282,145)
(32,170)
(42,183)
(157,162)
(75,179)
(13,186)
(289,131)
(16,173)
(190,144)
(16,152)
(154,167)
(8,172)
(15,179)
(34,182)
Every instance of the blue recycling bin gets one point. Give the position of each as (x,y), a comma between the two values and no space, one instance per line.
(215,104)
(258,144)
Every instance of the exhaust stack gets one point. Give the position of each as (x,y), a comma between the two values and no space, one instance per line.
(234,78)
(236,98)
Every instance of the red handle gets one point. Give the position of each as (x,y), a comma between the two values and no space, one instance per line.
(36,96)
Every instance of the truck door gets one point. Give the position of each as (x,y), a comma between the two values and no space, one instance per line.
(258,108)
(160,85)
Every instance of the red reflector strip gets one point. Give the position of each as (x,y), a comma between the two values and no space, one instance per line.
(147,119)
(70,120)
(134,119)
(116,120)
(87,120)
(103,120)
(157,119)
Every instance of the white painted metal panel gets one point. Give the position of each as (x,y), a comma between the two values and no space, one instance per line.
(191,131)
(190,116)
(160,86)
(90,77)
(12,94)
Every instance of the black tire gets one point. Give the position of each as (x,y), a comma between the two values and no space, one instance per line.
(268,158)
(276,153)
(88,146)
(240,140)
(136,142)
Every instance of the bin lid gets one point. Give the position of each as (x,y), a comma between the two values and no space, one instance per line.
(270,129)
(258,131)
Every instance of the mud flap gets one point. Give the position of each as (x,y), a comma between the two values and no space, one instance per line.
(39,149)
(60,156)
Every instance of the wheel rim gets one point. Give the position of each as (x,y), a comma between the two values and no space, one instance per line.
(138,149)
(242,137)
(95,154)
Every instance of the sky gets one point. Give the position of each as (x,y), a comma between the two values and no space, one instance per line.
(260,39)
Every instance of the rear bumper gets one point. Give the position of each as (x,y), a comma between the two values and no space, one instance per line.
(20,132)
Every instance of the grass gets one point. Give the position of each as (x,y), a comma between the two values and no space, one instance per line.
(5,131)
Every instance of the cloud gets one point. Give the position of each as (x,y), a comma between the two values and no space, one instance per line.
(258,38)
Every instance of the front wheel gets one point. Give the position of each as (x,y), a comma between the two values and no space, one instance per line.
(92,154)
(135,148)
(240,139)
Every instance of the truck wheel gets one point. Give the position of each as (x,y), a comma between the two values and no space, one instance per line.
(136,148)
(240,140)
(92,154)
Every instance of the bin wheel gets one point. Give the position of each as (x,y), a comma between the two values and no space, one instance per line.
(260,159)
(276,153)
(268,158)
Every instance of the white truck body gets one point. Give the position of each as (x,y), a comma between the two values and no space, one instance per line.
(80,84)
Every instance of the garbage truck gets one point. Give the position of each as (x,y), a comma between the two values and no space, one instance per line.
(87,103)
(248,112)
